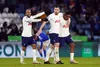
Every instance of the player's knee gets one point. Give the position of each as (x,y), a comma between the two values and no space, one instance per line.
(56,44)
(44,47)
(52,47)
(23,48)
(34,46)
(72,45)
(38,47)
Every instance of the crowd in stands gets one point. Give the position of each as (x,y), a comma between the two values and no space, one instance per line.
(85,16)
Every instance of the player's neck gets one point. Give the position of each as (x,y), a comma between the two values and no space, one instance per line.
(56,13)
(28,16)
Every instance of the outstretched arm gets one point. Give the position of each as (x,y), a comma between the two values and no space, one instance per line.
(38,15)
(33,18)
(41,27)
(30,20)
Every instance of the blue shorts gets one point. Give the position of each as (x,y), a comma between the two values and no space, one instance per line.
(28,41)
(66,40)
(54,38)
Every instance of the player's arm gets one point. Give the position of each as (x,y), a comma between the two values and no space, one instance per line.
(38,15)
(66,17)
(44,21)
(41,27)
(30,20)
(67,24)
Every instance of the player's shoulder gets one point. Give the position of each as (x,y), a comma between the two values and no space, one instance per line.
(24,17)
(52,14)
(61,14)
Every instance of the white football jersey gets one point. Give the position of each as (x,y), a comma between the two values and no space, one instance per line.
(64,31)
(55,22)
(27,24)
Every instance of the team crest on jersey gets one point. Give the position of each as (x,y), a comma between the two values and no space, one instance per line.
(29,24)
(57,21)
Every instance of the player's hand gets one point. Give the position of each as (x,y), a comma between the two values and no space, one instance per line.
(43,16)
(44,19)
(47,33)
(66,26)
(35,37)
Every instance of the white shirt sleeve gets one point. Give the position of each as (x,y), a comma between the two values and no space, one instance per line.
(38,15)
(30,20)
(49,17)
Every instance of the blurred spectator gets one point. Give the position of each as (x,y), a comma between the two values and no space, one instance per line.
(20,30)
(13,30)
(85,19)
(3,33)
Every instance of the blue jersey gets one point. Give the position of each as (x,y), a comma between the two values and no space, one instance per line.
(42,37)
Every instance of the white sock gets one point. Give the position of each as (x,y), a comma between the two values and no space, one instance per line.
(34,54)
(57,54)
(22,56)
(54,58)
(48,54)
(71,56)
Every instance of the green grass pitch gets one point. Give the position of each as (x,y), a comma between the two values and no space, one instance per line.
(83,62)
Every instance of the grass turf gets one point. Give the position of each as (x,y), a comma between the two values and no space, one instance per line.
(83,62)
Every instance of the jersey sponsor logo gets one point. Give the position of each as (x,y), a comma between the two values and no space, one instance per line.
(40,38)
(29,24)
(57,21)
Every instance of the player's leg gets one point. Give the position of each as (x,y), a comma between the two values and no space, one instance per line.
(49,51)
(34,49)
(24,45)
(39,47)
(72,46)
(44,50)
(22,55)
(56,51)
(55,42)
(34,54)
(45,44)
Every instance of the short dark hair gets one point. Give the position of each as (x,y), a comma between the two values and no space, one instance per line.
(67,13)
(56,6)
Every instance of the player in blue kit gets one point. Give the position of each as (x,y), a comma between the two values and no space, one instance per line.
(43,42)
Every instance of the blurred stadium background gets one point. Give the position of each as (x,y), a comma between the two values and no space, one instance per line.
(85,25)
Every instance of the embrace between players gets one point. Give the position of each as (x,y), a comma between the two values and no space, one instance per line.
(59,35)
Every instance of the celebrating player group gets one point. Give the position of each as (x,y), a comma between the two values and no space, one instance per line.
(58,35)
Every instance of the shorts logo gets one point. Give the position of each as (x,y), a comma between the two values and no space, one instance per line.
(54,41)
(24,44)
